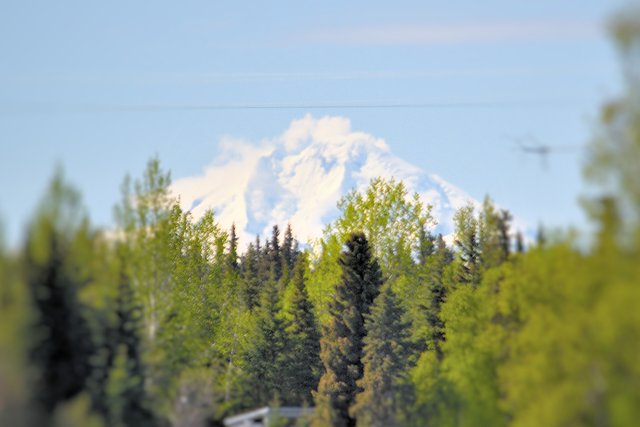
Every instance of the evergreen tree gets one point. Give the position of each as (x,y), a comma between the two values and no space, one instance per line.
(387,347)
(264,359)
(504,229)
(441,258)
(342,340)
(541,236)
(265,266)
(61,343)
(276,255)
(289,248)
(494,237)
(426,245)
(126,383)
(250,280)
(519,242)
(302,364)
(466,240)
(232,256)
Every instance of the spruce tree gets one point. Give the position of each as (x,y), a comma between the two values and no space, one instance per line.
(494,240)
(289,249)
(466,240)
(61,344)
(126,382)
(265,267)
(232,255)
(250,284)
(441,258)
(264,359)
(387,347)
(302,365)
(519,242)
(276,255)
(504,229)
(342,340)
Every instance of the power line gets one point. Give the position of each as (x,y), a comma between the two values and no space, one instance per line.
(99,108)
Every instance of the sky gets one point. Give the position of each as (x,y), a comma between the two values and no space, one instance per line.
(100,87)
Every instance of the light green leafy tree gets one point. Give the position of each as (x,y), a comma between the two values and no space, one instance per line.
(392,220)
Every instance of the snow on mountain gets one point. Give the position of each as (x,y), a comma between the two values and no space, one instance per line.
(299,176)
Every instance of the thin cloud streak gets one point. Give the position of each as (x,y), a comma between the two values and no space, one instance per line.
(189,78)
(428,35)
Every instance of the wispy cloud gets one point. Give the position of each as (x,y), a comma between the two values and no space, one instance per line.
(426,35)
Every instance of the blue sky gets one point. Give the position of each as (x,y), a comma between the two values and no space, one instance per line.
(102,86)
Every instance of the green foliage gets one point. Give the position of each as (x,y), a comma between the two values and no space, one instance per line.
(275,254)
(75,413)
(494,239)
(290,250)
(14,370)
(433,274)
(251,283)
(61,345)
(470,354)
(301,364)
(124,390)
(264,367)
(468,246)
(164,321)
(125,393)
(342,340)
(325,274)
(576,334)
(183,277)
(387,347)
(393,222)
(614,151)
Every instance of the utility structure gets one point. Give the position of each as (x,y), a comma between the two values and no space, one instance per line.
(266,416)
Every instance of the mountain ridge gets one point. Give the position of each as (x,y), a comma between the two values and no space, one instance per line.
(298,177)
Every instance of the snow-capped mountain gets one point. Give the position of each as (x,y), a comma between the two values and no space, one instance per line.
(299,176)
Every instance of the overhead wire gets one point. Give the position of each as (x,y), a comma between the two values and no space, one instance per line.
(110,108)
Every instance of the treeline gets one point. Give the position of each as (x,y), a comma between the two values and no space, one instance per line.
(167,320)
(380,323)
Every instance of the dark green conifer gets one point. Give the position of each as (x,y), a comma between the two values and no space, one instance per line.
(541,236)
(276,255)
(250,284)
(342,339)
(264,358)
(289,249)
(426,245)
(126,393)
(265,268)
(519,242)
(387,347)
(302,365)
(232,256)
(494,240)
(61,343)
(441,258)
(466,240)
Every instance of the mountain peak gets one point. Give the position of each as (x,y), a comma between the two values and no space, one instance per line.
(299,176)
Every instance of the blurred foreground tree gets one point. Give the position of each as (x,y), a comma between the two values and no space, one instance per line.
(61,342)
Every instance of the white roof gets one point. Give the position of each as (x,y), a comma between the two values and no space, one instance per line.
(249,418)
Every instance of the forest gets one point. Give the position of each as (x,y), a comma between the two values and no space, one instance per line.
(167,320)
